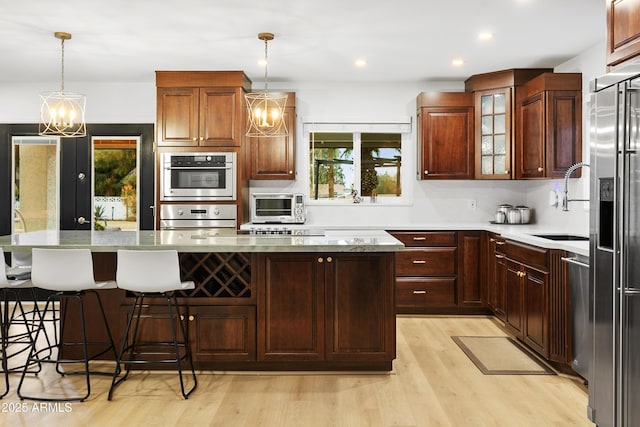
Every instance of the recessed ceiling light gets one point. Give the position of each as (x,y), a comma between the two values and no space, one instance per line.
(360,62)
(457,62)
(485,35)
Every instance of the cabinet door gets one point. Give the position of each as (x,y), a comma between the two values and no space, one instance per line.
(291,292)
(177,116)
(535,306)
(500,301)
(469,283)
(623,30)
(493,134)
(514,292)
(530,149)
(274,157)
(222,333)
(564,132)
(360,322)
(446,143)
(220,117)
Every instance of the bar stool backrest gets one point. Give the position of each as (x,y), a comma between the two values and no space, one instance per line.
(62,269)
(148,271)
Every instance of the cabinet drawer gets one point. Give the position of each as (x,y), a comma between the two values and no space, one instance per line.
(530,255)
(426,238)
(427,292)
(426,262)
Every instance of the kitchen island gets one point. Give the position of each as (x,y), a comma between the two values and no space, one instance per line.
(300,302)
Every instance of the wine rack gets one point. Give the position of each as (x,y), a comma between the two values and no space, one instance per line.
(219,275)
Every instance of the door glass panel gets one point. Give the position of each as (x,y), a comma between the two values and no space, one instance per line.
(36,163)
(487,144)
(115,183)
(487,165)
(487,104)
(500,146)
(499,104)
(499,164)
(487,125)
(498,121)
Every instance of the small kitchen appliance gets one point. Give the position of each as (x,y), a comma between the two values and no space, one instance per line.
(277,208)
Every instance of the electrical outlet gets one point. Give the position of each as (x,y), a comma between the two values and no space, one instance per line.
(473,204)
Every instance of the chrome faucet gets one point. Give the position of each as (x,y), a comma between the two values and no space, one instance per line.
(565,199)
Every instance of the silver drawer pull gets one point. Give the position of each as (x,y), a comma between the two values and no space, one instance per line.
(419,292)
(498,242)
(499,256)
(419,238)
(419,261)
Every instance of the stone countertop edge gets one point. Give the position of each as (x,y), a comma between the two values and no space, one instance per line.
(203,240)
(337,239)
(524,233)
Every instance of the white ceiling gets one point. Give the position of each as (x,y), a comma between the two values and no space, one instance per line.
(402,40)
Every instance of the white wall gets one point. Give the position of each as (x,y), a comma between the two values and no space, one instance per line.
(428,201)
(591,63)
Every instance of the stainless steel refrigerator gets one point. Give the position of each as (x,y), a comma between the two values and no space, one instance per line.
(614,383)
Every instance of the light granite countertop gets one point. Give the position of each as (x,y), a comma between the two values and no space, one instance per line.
(204,240)
(336,239)
(525,233)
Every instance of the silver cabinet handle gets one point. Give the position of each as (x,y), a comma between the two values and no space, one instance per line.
(419,261)
(419,238)
(419,292)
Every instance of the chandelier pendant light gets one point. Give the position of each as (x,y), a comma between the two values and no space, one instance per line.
(62,113)
(265,109)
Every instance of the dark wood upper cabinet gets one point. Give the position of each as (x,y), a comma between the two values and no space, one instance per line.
(549,130)
(201,108)
(275,157)
(445,135)
(495,97)
(623,30)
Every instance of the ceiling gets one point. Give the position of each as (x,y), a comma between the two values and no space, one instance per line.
(401,40)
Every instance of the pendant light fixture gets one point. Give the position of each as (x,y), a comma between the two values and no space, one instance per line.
(265,109)
(62,113)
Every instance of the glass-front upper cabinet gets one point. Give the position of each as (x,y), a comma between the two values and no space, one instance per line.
(493,134)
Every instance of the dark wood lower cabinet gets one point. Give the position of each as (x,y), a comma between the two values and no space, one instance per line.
(326,307)
(291,300)
(513,317)
(288,311)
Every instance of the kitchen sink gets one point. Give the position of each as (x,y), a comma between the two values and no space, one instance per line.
(566,237)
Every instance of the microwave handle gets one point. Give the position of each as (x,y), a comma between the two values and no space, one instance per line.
(198,168)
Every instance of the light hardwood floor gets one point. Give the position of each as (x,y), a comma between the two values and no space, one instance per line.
(433,383)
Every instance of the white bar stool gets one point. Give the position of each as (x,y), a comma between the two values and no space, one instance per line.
(17,316)
(69,273)
(154,273)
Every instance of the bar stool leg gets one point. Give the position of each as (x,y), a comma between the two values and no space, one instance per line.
(176,347)
(4,330)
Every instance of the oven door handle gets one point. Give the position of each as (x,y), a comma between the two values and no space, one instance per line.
(198,168)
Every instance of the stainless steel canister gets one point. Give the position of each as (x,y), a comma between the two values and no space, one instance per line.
(513,217)
(525,214)
(505,208)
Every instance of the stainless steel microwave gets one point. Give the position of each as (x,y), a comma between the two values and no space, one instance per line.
(277,208)
(198,176)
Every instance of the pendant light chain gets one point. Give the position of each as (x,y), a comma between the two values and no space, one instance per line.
(62,74)
(266,65)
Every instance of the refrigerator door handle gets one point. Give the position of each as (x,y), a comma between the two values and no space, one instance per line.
(574,260)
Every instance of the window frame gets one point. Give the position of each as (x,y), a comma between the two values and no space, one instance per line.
(357,129)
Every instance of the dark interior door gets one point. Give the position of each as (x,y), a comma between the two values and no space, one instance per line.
(75,173)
